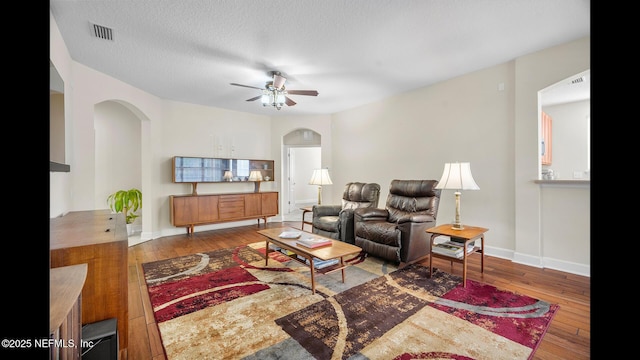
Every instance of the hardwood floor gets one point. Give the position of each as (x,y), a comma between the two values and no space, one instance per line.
(568,337)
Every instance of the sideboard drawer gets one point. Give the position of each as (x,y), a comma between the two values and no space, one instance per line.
(231,206)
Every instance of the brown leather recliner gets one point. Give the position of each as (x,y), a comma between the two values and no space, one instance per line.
(397,233)
(336,221)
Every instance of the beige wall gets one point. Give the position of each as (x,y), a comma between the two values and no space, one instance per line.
(407,136)
(535,72)
(412,136)
(56,128)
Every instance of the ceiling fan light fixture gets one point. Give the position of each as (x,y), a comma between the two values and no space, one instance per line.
(266,98)
(275,93)
(278,99)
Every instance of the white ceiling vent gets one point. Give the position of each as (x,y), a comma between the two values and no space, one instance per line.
(101,32)
(577,80)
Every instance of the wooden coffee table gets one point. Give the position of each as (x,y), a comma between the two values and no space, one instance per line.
(337,250)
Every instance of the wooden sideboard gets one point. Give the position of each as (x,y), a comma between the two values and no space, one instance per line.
(65,321)
(99,239)
(190,210)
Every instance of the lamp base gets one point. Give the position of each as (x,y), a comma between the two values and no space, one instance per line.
(256,186)
(457,226)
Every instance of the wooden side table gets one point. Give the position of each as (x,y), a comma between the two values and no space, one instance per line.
(468,234)
(305,210)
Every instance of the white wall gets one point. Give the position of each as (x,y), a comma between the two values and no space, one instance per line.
(193,130)
(60,193)
(407,136)
(118,160)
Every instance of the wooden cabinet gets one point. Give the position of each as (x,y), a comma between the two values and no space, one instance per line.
(190,210)
(546,127)
(253,204)
(65,320)
(269,203)
(206,170)
(98,239)
(195,170)
(261,203)
(207,208)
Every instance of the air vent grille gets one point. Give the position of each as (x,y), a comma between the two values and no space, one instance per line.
(102,32)
(577,80)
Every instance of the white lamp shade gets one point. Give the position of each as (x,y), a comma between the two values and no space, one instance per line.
(255,175)
(457,176)
(320,177)
(228,175)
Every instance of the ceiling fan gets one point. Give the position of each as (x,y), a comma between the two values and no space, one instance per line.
(275,93)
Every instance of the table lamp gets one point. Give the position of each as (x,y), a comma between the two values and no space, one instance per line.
(457,176)
(320,177)
(228,175)
(256,177)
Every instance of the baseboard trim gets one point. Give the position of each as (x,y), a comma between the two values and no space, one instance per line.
(549,263)
(535,261)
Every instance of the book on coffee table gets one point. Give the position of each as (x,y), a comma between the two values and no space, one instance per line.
(321,264)
(314,242)
(290,234)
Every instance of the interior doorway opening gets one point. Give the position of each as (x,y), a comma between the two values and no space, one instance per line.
(301,155)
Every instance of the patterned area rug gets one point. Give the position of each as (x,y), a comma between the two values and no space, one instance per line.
(227,304)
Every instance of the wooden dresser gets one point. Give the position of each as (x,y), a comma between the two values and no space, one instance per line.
(99,239)
(190,210)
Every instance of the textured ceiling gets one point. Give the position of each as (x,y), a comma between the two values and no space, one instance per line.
(352,52)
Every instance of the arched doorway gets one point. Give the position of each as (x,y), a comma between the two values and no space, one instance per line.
(300,155)
(118,154)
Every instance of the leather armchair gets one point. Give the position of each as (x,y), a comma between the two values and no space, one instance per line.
(397,233)
(336,221)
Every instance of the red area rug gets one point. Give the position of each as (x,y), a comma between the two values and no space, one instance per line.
(227,304)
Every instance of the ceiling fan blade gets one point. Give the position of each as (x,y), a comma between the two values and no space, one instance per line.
(247,86)
(289,101)
(278,81)
(303,92)
(254,98)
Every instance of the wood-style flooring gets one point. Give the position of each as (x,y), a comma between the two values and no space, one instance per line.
(568,337)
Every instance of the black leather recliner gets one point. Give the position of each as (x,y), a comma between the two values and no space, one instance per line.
(397,233)
(336,221)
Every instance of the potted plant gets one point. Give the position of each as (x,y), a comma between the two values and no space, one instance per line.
(126,202)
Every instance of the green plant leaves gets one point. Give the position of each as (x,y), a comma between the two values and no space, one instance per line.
(126,202)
